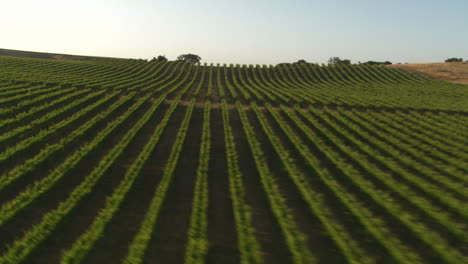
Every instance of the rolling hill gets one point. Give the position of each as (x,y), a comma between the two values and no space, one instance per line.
(47,56)
(456,72)
(130,161)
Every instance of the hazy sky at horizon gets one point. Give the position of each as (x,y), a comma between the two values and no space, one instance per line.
(246,32)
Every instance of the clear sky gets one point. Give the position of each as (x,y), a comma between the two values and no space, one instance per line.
(241,31)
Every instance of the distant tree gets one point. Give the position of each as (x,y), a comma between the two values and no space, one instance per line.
(300,62)
(334,60)
(454,60)
(337,60)
(191,58)
(377,63)
(161,58)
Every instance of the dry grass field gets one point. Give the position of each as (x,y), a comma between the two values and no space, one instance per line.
(456,72)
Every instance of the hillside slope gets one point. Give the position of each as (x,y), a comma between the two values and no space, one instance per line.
(456,72)
(129,161)
(47,56)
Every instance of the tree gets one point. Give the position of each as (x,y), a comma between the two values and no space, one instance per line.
(334,60)
(301,62)
(190,58)
(377,63)
(282,64)
(454,60)
(161,58)
(337,60)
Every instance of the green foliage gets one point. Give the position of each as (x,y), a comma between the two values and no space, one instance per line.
(337,60)
(269,148)
(302,61)
(140,242)
(454,60)
(282,64)
(377,63)
(296,241)
(160,58)
(190,58)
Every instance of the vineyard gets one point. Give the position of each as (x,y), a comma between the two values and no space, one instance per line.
(130,161)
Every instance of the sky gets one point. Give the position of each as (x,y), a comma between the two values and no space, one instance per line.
(241,31)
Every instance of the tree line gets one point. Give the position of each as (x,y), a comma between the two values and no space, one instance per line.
(193,58)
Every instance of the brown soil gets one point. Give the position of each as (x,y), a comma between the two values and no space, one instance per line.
(456,72)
